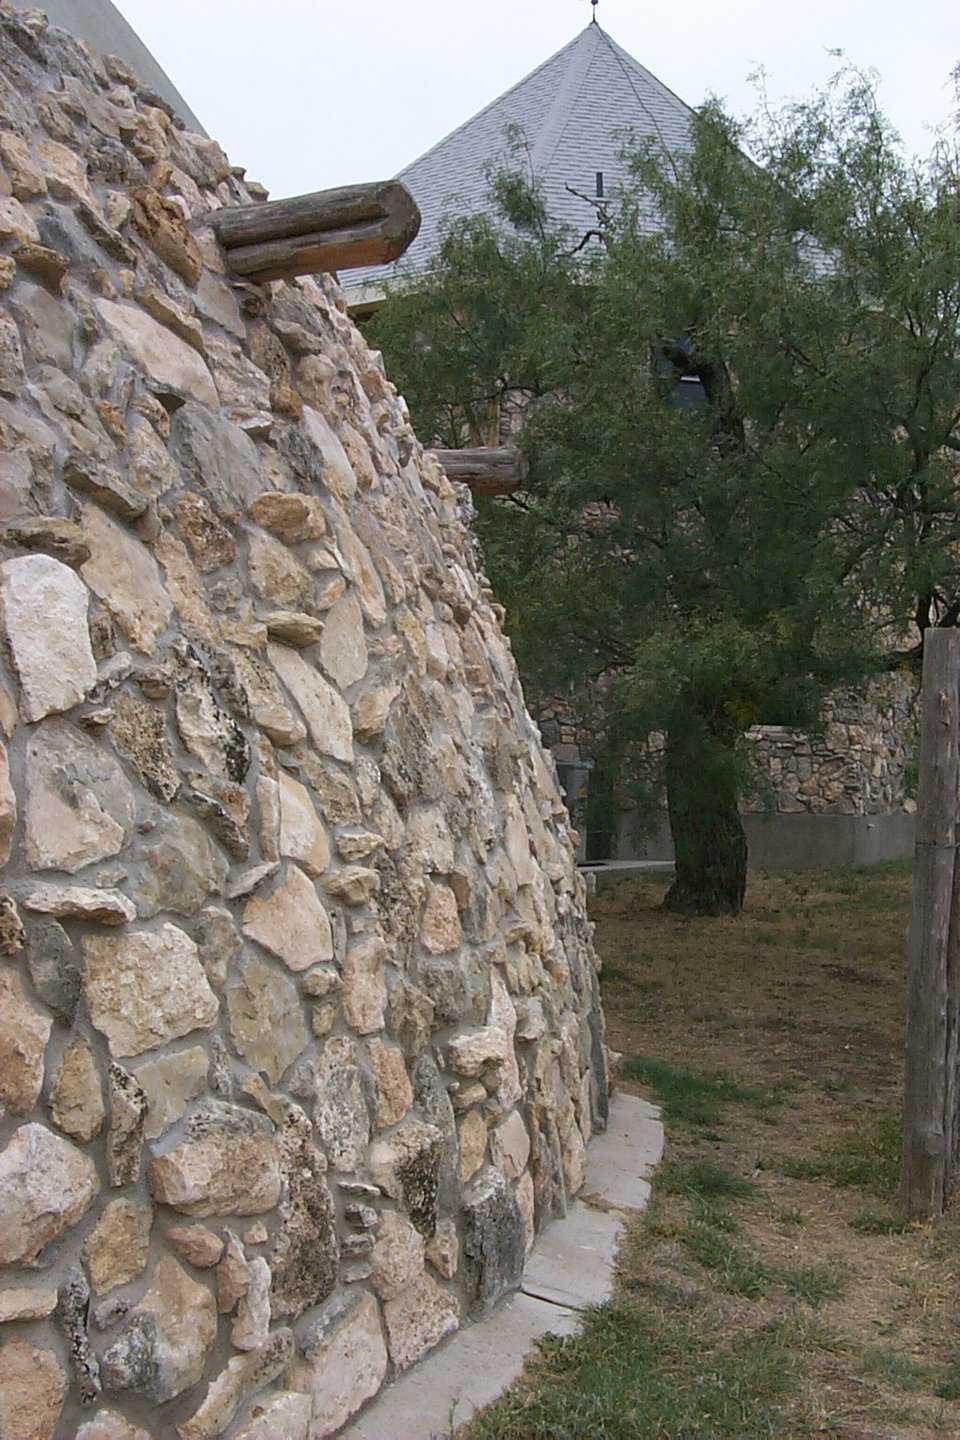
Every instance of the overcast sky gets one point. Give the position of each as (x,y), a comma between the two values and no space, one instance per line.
(313,93)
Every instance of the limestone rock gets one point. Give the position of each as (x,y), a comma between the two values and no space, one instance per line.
(161,355)
(46,1184)
(228,1165)
(24,1033)
(76,1103)
(139,731)
(326,713)
(343,648)
(128,1113)
(144,988)
(440,932)
(394,1091)
(205,728)
(293,628)
(526,1203)
(472,1139)
(221,461)
(494,1242)
(397,1259)
(109,1425)
(364,986)
(45,621)
(169,1083)
(370,713)
(443,1251)
(116,1250)
(251,1327)
(417,1319)
(266,1022)
(306,1251)
(182,868)
(197,1244)
(103,484)
(286,1414)
(26,1303)
(80,805)
(76,902)
(477,1051)
(211,543)
(276,573)
(243,1376)
(291,518)
(33,1388)
(342,1116)
(61,539)
(164,1346)
(123,573)
(345,1366)
(302,836)
(54,966)
(510,1146)
(411,1016)
(354,884)
(233,1275)
(406,1165)
(290,922)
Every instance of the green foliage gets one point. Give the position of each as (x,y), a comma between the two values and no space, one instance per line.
(724,565)
(704,1179)
(687,1097)
(867,1159)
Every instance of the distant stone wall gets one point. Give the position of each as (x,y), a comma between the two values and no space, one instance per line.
(858,766)
(300,1036)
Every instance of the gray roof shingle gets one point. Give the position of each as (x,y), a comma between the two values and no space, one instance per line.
(576,111)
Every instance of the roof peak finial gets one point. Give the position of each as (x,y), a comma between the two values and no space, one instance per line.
(594,3)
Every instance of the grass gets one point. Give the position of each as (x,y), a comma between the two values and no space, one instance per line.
(688,1098)
(771,1289)
(868,1159)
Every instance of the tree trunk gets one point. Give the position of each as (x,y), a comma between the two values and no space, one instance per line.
(708,837)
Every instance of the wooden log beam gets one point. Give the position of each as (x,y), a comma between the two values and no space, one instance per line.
(354,226)
(487,470)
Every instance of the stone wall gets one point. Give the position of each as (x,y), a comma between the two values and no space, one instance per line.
(300,1039)
(858,766)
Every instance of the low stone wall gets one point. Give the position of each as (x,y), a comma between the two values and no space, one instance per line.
(300,1037)
(857,767)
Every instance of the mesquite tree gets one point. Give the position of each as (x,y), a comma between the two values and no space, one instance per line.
(741,426)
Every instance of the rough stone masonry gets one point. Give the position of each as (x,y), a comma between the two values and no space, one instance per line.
(300,1037)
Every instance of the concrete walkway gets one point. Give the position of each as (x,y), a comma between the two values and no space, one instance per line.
(571,1267)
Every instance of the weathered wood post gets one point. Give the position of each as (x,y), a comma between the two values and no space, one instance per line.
(930,1130)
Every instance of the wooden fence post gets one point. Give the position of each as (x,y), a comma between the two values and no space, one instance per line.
(930,1135)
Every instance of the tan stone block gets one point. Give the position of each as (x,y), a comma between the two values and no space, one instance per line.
(440,931)
(344,1368)
(46,1184)
(169,1083)
(418,1319)
(33,1387)
(117,1248)
(144,988)
(398,1256)
(302,834)
(364,986)
(394,1091)
(290,922)
(472,1137)
(76,1103)
(24,1033)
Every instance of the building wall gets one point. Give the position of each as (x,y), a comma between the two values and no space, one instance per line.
(300,1031)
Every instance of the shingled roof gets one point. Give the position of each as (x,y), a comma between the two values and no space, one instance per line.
(575,110)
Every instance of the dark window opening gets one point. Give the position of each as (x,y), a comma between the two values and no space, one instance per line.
(599,184)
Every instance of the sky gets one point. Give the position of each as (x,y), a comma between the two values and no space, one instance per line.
(309,94)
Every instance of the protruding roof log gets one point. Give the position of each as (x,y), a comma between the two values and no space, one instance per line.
(487,470)
(354,226)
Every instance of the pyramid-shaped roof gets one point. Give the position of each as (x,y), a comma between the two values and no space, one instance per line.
(576,111)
